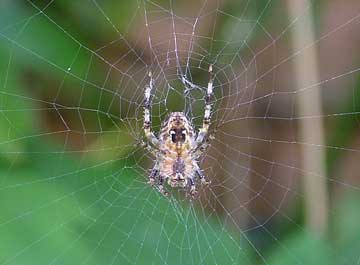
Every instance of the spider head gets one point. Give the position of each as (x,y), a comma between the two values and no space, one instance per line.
(179,128)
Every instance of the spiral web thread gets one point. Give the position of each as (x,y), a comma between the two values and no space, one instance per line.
(89,180)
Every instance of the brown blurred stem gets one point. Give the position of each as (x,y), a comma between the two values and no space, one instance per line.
(309,104)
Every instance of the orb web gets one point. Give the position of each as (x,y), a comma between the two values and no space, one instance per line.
(74,171)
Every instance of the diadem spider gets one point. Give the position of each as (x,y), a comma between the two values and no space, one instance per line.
(178,146)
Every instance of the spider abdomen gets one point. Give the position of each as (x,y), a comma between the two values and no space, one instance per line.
(177,170)
(179,166)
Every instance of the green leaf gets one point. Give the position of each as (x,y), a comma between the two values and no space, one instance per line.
(301,248)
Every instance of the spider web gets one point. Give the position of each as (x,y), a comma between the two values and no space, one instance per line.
(73,166)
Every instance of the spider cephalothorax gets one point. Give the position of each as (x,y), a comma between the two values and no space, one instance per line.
(178,146)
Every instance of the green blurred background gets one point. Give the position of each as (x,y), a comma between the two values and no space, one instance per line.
(72,165)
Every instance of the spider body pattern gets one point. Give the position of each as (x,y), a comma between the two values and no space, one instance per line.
(177,147)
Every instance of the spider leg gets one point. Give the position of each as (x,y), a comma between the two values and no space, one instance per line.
(193,192)
(202,177)
(152,180)
(203,131)
(201,147)
(147,113)
(154,173)
(151,149)
(160,187)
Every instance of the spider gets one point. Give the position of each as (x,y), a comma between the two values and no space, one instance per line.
(178,147)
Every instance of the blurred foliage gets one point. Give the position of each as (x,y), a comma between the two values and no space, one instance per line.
(59,208)
(345,127)
(98,215)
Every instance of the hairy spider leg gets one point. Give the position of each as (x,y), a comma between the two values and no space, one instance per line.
(203,131)
(161,186)
(152,180)
(154,173)
(193,192)
(147,110)
(202,177)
